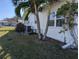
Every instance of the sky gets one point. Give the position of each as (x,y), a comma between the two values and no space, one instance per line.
(6,9)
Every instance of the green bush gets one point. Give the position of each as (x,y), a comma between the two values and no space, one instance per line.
(20,27)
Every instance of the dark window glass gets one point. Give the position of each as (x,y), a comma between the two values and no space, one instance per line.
(59,22)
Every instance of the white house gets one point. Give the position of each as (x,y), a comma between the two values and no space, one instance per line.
(53,31)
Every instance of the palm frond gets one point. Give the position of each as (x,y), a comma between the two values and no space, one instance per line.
(15,2)
(26,14)
(18,8)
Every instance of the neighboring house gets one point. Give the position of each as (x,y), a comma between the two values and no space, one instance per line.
(8,22)
(56,27)
(3,23)
(12,21)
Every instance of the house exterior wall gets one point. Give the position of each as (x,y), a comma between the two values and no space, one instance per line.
(53,31)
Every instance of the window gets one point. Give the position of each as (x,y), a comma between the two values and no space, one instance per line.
(59,22)
(51,18)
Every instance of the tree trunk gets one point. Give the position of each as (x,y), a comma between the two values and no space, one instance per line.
(75,39)
(65,27)
(71,30)
(46,29)
(74,35)
(38,21)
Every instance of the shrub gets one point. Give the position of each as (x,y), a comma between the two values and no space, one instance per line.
(20,27)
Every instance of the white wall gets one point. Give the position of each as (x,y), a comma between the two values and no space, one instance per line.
(31,21)
(43,20)
(53,31)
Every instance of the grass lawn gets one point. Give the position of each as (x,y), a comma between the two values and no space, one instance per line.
(18,46)
(5,30)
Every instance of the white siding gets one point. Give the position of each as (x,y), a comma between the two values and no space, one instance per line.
(53,31)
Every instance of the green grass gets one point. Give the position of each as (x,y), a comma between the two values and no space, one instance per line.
(18,46)
(5,30)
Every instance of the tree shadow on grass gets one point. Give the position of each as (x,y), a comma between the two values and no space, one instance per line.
(13,48)
(4,54)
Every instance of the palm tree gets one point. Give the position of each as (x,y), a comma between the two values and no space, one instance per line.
(49,12)
(46,29)
(31,6)
(34,6)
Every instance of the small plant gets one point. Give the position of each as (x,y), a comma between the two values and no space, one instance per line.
(20,27)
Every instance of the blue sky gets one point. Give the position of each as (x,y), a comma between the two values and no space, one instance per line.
(6,9)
